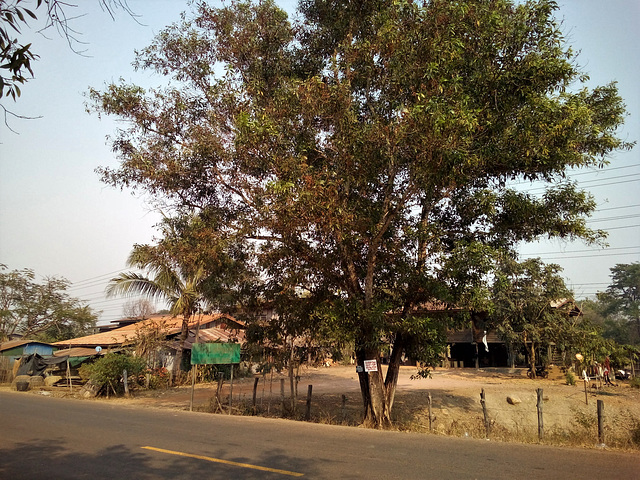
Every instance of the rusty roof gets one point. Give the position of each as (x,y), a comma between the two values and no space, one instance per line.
(77,352)
(169,324)
(215,334)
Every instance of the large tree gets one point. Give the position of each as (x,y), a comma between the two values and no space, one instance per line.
(373,150)
(620,303)
(43,311)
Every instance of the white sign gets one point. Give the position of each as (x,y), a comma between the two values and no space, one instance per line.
(370,366)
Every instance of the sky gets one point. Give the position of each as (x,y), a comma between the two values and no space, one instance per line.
(58,219)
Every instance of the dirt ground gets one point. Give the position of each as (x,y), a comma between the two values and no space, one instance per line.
(569,416)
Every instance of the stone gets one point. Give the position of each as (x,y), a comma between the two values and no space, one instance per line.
(513,400)
(51,380)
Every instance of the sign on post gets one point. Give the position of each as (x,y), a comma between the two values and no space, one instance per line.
(370,366)
(215,353)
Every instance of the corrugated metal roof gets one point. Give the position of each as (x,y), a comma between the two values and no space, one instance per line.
(127,334)
(77,352)
(215,334)
(18,343)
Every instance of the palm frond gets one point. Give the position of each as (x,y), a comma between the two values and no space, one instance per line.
(135,284)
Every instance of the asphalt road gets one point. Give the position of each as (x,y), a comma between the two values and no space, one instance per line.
(51,438)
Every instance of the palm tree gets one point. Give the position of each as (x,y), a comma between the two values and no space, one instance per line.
(180,285)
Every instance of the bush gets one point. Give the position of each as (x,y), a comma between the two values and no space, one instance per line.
(635,382)
(108,370)
(155,378)
(570,377)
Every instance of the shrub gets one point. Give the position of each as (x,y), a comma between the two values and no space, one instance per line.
(108,370)
(570,377)
(635,382)
(155,378)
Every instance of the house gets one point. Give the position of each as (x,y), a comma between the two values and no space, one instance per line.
(158,337)
(15,349)
(480,346)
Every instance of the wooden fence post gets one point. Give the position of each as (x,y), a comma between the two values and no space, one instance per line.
(540,420)
(344,407)
(125,379)
(255,391)
(601,422)
(430,414)
(487,422)
(219,389)
(270,392)
(586,395)
(307,416)
(231,389)
(193,386)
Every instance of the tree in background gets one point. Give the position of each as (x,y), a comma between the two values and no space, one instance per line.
(621,301)
(41,311)
(141,309)
(611,326)
(189,280)
(369,152)
(181,286)
(525,297)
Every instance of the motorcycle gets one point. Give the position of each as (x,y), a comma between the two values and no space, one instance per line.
(541,372)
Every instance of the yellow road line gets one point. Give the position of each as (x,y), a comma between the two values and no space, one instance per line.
(226,462)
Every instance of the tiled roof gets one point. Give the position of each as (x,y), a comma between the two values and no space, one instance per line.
(127,334)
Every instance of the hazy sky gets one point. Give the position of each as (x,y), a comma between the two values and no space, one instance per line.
(57,218)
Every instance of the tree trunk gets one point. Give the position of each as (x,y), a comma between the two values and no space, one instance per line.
(532,360)
(378,395)
(391,380)
(177,364)
(291,379)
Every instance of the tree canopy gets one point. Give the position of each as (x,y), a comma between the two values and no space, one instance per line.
(527,304)
(371,151)
(620,303)
(42,311)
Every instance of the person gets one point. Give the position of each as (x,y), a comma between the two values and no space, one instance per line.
(607,369)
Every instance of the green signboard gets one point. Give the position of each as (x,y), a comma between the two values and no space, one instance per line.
(215,353)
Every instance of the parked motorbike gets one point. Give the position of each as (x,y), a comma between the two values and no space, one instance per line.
(541,372)
(622,375)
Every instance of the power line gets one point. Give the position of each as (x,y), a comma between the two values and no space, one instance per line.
(589,256)
(604,170)
(616,208)
(543,189)
(610,219)
(593,172)
(99,276)
(585,250)
(625,226)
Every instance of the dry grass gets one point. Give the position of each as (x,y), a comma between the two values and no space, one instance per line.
(462,416)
